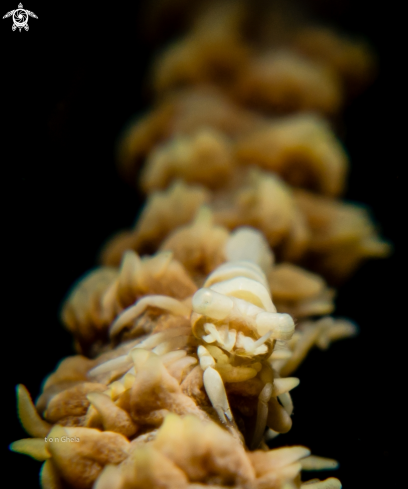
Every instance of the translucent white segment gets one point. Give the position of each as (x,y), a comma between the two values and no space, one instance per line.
(262,339)
(280,386)
(237,269)
(248,290)
(330,483)
(287,402)
(281,457)
(161,301)
(209,338)
(224,332)
(248,344)
(113,364)
(129,268)
(262,414)
(270,434)
(155,339)
(281,325)
(176,369)
(206,360)
(313,462)
(218,354)
(280,355)
(139,357)
(171,344)
(172,356)
(266,392)
(245,308)
(247,243)
(183,363)
(211,329)
(159,263)
(212,304)
(214,386)
(245,342)
(230,340)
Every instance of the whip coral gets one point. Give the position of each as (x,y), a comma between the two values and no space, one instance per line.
(188,332)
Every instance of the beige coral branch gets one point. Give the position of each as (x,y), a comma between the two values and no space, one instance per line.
(188,333)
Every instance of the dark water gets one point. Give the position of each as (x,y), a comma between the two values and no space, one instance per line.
(72,82)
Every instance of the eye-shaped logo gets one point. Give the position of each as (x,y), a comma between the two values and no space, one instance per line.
(20,17)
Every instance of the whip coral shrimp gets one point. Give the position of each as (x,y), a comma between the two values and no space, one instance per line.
(237,323)
(235,328)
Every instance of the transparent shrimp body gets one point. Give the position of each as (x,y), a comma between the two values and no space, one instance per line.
(238,325)
(237,314)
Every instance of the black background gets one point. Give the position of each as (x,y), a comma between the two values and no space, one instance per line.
(68,87)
